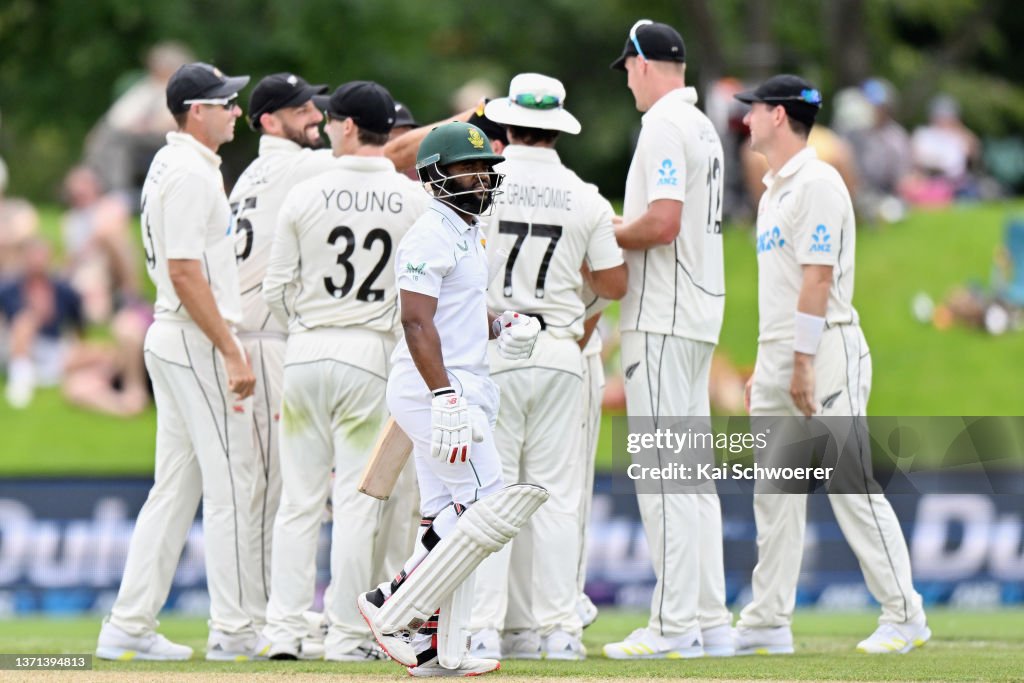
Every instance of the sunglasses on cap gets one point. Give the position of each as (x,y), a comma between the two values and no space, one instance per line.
(807,96)
(227,103)
(531,101)
(632,36)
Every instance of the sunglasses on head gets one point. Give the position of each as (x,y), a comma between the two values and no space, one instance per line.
(531,101)
(636,42)
(227,103)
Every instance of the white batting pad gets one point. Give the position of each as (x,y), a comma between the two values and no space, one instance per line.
(483,529)
(452,632)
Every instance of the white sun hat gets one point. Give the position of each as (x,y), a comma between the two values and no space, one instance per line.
(534,101)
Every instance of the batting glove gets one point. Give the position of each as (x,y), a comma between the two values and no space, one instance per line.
(451,429)
(516,333)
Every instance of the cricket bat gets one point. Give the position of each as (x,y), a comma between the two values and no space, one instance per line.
(389,456)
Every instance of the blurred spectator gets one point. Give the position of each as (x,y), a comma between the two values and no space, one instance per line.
(40,309)
(123,142)
(46,349)
(471,94)
(882,150)
(851,111)
(97,241)
(18,222)
(943,152)
(726,113)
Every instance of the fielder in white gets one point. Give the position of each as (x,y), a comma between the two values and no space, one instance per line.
(548,228)
(440,393)
(202,383)
(331,280)
(670,321)
(812,359)
(281,109)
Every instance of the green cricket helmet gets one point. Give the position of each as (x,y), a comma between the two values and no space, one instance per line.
(453,143)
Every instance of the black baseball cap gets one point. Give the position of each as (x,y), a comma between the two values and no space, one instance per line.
(658,43)
(404,117)
(492,129)
(200,81)
(800,99)
(279,91)
(368,104)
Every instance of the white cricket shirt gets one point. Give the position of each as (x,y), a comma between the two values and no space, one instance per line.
(548,221)
(332,261)
(677,289)
(185,216)
(444,257)
(804,217)
(255,202)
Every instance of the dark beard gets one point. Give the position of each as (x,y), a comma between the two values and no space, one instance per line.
(299,138)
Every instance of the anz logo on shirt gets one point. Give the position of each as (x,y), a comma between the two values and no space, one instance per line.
(770,239)
(820,241)
(667,174)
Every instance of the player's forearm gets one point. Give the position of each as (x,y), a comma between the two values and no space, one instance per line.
(609,283)
(656,227)
(425,348)
(812,304)
(589,325)
(817,282)
(196,296)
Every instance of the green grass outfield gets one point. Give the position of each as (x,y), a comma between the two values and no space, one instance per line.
(966,647)
(918,370)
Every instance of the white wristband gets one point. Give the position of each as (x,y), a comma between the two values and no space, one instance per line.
(807,332)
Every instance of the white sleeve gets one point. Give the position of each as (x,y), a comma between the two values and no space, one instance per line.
(816,225)
(603,251)
(663,150)
(283,266)
(187,203)
(422,260)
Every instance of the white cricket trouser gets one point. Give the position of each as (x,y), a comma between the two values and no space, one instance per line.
(668,377)
(593,395)
(842,370)
(266,352)
(441,482)
(204,450)
(332,412)
(531,583)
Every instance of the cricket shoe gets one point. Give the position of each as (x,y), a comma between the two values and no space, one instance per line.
(248,646)
(291,651)
(586,610)
(118,645)
(772,640)
(486,644)
(313,643)
(395,645)
(646,644)
(895,638)
(469,666)
(718,641)
(520,645)
(366,651)
(563,646)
